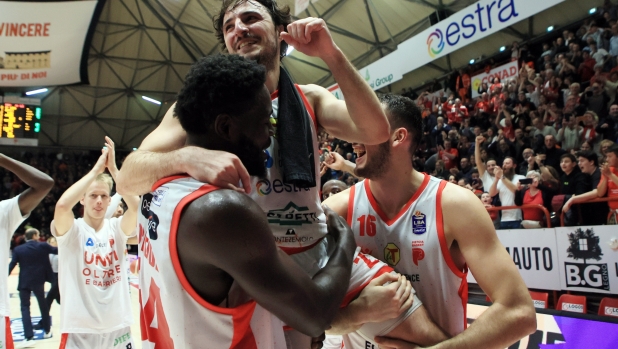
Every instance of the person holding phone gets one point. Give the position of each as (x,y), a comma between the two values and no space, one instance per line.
(531,191)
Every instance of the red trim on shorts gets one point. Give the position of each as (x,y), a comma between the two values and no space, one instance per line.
(351,205)
(383,216)
(164,180)
(8,335)
(63,340)
(352,294)
(294,250)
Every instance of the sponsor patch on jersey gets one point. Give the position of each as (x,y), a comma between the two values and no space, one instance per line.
(418,243)
(89,242)
(391,254)
(158,195)
(417,255)
(292,214)
(419,224)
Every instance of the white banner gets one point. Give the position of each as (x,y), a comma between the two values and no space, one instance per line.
(587,262)
(42,43)
(505,71)
(535,255)
(475,22)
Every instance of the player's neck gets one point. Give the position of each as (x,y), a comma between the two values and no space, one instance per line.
(94,223)
(394,189)
(272,78)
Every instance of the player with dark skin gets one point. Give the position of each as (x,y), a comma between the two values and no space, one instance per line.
(40,184)
(211,226)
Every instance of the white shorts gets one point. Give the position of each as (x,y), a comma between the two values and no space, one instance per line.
(119,339)
(6,337)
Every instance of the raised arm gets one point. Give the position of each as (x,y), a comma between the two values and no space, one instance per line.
(266,273)
(40,184)
(493,190)
(480,165)
(336,162)
(162,153)
(129,218)
(361,117)
(63,214)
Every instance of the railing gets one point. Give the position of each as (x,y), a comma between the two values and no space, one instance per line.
(538,207)
(587,202)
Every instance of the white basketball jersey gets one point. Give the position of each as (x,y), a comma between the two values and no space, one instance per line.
(295,214)
(413,243)
(173,315)
(10,219)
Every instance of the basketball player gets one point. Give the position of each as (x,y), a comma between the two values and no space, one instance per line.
(12,213)
(201,279)
(260,30)
(92,269)
(432,232)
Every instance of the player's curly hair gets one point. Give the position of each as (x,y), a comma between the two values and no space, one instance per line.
(218,84)
(279,14)
(403,112)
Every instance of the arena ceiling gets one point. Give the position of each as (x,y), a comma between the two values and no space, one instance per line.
(145,48)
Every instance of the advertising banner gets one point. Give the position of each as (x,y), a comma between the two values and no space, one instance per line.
(535,255)
(587,262)
(560,330)
(46,43)
(505,71)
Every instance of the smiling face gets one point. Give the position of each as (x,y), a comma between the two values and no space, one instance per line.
(96,200)
(249,31)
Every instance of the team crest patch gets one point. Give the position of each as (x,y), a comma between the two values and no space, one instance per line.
(158,195)
(391,254)
(419,224)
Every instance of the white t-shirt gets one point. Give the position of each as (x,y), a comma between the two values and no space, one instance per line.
(507,198)
(92,277)
(10,219)
(487,180)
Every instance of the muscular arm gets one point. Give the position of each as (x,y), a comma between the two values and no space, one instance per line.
(244,250)
(40,184)
(511,316)
(129,218)
(480,165)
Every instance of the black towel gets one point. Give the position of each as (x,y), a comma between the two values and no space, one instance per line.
(294,135)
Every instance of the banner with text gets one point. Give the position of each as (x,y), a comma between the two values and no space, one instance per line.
(535,255)
(587,261)
(505,71)
(46,43)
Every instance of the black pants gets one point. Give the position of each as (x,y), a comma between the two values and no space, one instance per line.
(54,292)
(24,296)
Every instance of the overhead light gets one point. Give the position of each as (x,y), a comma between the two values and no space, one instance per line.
(502,48)
(472,61)
(289,50)
(592,10)
(151,100)
(34,92)
(550,28)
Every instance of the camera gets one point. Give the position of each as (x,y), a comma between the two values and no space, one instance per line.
(525,181)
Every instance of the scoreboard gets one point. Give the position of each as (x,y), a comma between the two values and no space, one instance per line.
(20,122)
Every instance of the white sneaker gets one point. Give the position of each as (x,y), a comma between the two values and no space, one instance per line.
(26,343)
(48,335)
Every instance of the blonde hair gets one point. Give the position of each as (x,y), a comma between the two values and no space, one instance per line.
(606,142)
(107,179)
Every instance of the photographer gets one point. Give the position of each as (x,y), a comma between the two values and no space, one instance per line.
(531,191)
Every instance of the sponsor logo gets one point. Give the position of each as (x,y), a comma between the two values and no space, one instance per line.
(391,254)
(292,214)
(265,187)
(158,195)
(417,255)
(583,244)
(479,20)
(578,308)
(383,80)
(153,219)
(419,224)
(123,339)
(435,43)
(533,258)
(413,277)
(611,311)
(418,243)
(538,304)
(290,232)
(269,159)
(89,242)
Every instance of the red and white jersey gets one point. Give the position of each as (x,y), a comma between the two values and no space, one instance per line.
(414,244)
(10,219)
(295,214)
(92,277)
(173,314)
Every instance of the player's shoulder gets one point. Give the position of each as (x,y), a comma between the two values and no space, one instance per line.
(339,202)
(458,200)
(221,206)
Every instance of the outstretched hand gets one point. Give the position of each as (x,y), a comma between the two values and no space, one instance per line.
(110,162)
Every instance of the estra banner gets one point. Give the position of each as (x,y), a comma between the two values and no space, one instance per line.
(46,43)
(504,72)
(535,254)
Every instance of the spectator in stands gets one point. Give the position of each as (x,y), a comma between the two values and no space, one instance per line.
(586,68)
(534,193)
(550,154)
(570,134)
(332,187)
(528,164)
(438,133)
(541,129)
(613,41)
(594,213)
(501,149)
(440,171)
(609,182)
(448,154)
(505,185)
(589,134)
(456,113)
(604,147)
(607,127)
(573,181)
(465,167)
(595,99)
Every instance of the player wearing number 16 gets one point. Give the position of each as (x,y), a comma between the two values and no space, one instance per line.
(92,273)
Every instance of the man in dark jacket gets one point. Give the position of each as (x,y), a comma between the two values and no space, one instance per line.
(34,270)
